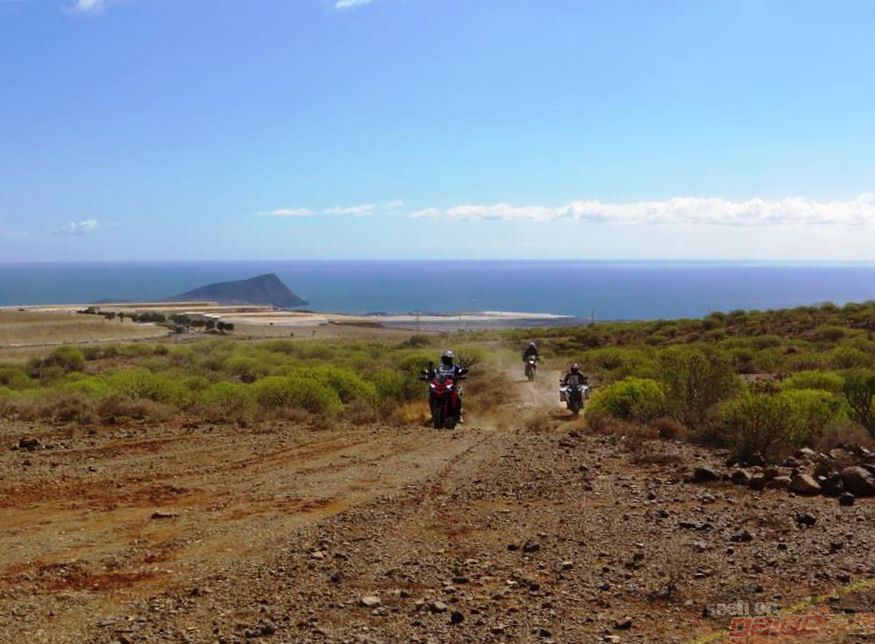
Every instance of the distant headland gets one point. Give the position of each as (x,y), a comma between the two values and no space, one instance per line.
(263,290)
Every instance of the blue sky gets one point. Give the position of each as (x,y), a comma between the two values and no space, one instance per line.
(287,129)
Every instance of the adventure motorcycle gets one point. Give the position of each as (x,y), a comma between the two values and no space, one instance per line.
(444,396)
(531,367)
(573,395)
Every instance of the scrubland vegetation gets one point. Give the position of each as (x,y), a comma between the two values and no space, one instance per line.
(760,383)
(217,381)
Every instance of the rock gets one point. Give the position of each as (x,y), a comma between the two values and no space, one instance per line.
(437,606)
(847,499)
(705,474)
(779,483)
(805,485)
(744,536)
(456,617)
(369,601)
(161,514)
(29,443)
(757,481)
(858,480)
(623,624)
(740,477)
(805,452)
(806,519)
(832,485)
(531,546)
(611,639)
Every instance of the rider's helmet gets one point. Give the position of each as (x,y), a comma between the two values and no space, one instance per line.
(532,345)
(447,358)
(575,368)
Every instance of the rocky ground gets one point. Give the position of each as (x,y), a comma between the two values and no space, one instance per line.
(500,531)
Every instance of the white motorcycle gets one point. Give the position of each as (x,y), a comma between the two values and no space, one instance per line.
(531,367)
(573,395)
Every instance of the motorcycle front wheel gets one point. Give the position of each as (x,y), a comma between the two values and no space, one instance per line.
(437,417)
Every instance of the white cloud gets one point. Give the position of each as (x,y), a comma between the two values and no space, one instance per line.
(89,6)
(343,5)
(679,211)
(427,212)
(78,228)
(360,210)
(357,211)
(287,212)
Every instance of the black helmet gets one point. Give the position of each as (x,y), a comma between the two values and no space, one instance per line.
(575,368)
(532,344)
(447,358)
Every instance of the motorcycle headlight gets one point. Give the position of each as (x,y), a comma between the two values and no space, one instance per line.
(432,386)
(450,386)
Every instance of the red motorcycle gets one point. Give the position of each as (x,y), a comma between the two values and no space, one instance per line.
(444,395)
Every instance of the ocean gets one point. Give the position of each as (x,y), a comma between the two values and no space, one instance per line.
(616,290)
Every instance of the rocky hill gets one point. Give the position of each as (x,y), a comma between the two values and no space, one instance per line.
(266,290)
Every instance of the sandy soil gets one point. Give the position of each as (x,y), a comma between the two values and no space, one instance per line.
(21,331)
(504,530)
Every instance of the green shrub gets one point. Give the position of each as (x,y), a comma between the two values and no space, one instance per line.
(417,341)
(694,382)
(828,333)
(92,386)
(846,357)
(859,391)
(181,355)
(638,399)
(822,380)
(348,385)
(226,400)
(140,383)
(275,392)
(761,342)
(393,386)
(413,362)
(767,360)
(755,424)
(66,357)
(810,412)
(288,347)
(246,368)
(14,378)
(617,363)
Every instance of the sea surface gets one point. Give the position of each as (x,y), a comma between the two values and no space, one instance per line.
(609,289)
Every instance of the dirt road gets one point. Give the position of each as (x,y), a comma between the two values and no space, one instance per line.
(493,532)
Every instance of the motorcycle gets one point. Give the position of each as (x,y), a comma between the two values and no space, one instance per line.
(531,367)
(444,396)
(573,395)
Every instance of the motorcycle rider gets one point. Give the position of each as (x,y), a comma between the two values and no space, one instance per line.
(531,350)
(448,367)
(574,377)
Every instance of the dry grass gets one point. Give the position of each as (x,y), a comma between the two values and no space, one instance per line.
(35,328)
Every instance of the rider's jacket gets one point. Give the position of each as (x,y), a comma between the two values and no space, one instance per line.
(576,379)
(444,370)
(531,351)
